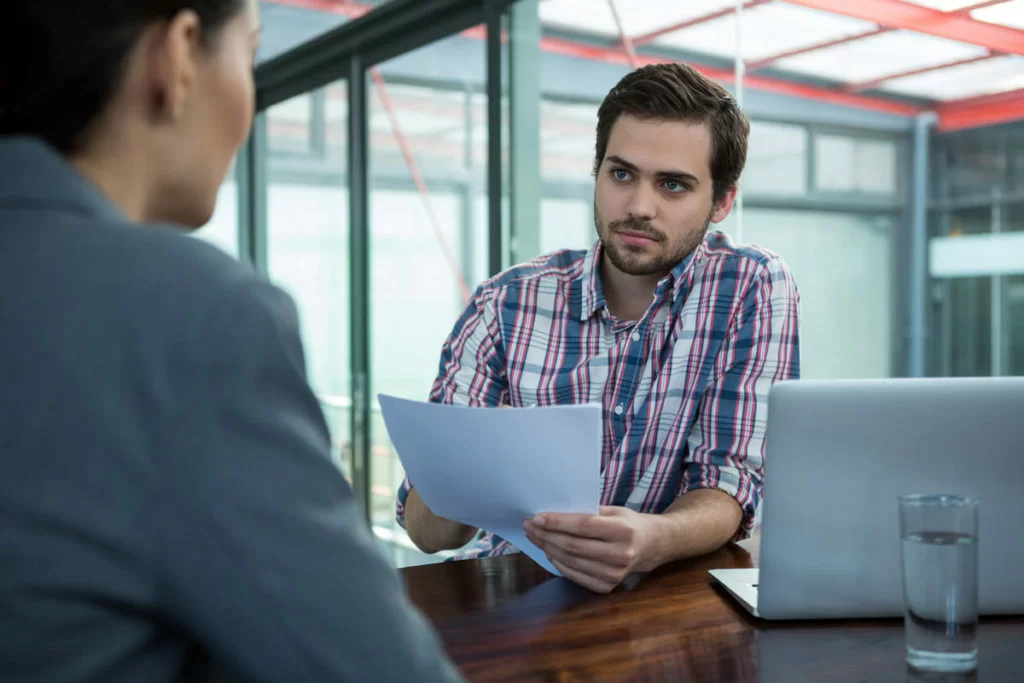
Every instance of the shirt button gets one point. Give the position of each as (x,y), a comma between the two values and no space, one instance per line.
(618,409)
(636,336)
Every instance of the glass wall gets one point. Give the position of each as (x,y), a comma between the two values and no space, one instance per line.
(1014,293)
(222,230)
(842,263)
(289,24)
(428,246)
(427,225)
(777,160)
(977,249)
(855,164)
(824,190)
(307,240)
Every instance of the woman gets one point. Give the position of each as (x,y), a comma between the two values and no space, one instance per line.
(168,502)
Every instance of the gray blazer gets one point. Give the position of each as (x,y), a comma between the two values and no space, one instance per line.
(168,505)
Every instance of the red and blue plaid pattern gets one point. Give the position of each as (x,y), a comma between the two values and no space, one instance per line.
(684,390)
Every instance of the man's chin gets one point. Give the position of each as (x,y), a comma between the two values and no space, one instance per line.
(631,265)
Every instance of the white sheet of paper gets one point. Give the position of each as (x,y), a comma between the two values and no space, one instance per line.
(494,468)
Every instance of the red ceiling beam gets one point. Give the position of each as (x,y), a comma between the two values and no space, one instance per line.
(905,15)
(986,110)
(648,37)
(615,56)
(866,85)
(768,61)
(343,7)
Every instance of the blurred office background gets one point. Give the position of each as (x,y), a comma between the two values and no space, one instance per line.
(406,150)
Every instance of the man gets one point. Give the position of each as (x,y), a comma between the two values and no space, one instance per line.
(679,333)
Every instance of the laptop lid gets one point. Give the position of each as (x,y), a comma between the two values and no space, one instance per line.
(839,453)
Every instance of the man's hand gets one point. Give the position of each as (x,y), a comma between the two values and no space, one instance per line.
(595,551)
(431,532)
(599,551)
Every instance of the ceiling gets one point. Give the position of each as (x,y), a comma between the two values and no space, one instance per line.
(858,45)
(964,59)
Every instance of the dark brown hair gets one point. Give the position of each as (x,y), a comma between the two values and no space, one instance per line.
(677,92)
(61,61)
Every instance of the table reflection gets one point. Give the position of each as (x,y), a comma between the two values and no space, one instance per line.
(506,619)
(869,651)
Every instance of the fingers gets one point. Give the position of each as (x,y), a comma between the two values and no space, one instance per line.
(605,528)
(592,583)
(597,565)
(595,551)
(614,555)
(594,569)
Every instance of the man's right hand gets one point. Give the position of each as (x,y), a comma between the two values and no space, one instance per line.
(430,532)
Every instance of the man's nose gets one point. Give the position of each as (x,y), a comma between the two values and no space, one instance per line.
(643,203)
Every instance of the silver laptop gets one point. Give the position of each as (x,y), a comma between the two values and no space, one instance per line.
(837,456)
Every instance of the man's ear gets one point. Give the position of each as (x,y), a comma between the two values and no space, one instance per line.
(724,205)
(174,51)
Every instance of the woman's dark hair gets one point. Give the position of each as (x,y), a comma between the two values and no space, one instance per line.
(61,61)
(678,92)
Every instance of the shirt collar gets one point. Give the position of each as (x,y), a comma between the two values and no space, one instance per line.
(677,280)
(593,292)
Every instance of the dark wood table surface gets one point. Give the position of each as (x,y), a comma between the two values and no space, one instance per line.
(506,619)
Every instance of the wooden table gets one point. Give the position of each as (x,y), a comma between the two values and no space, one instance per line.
(506,619)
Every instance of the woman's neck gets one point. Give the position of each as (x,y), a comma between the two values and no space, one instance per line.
(119,174)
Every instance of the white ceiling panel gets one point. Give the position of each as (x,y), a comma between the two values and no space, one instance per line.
(969,80)
(878,56)
(767,30)
(638,16)
(945,5)
(1007,13)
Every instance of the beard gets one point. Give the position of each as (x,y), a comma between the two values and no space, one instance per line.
(637,260)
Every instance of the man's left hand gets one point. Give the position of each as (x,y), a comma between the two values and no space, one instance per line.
(595,551)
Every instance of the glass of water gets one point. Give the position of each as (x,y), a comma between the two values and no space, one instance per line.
(939,535)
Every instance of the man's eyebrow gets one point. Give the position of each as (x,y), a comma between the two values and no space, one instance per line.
(615,159)
(667,173)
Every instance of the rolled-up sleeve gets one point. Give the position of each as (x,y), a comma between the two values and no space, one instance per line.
(472,367)
(726,442)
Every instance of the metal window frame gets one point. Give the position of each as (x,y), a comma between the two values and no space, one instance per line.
(948,201)
(395,28)
(251,177)
(359,281)
(346,53)
(493,17)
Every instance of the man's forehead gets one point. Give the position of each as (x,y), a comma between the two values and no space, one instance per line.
(656,145)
